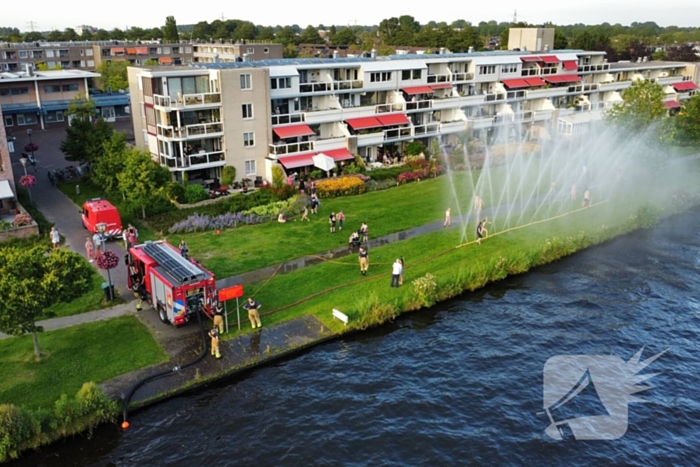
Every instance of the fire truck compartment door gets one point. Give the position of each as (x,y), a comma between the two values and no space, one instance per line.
(159,290)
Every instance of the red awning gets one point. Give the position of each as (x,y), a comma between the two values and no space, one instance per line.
(164,60)
(363,123)
(141,50)
(562,79)
(293,131)
(549,59)
(536,81)
(117,50)
(131,51)
(393,119)
(294,162)
(418,90)
(672,104)
(515,83)
(339,154)
(441,85)
(570,65)
(530,58)
(684,86)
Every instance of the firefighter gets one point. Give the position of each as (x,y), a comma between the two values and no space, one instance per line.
(219,318)
(253,306)
(214,334)
(139,292)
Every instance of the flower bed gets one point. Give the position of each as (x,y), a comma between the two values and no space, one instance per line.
(342,186)
(424,171)
(200,223)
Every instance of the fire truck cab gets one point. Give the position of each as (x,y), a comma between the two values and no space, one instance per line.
(176,287)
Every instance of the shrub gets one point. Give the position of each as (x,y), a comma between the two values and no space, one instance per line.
(175,191)
(195,194)
(282,193)
(228,175)
(371,311)
(351,169)
(425,290)
(391,172)
(360,162)
(73,272)
(200,223)
(342,186)
(278,178)
(414,148)
(646,216)
(316,174)
(22,219)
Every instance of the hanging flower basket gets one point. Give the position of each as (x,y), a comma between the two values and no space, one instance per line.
(22,219)
(107,260)
(31,147)
(27,181)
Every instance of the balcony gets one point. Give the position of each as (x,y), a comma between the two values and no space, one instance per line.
(200,160)
(462,76)
(371,139)
(191,131)
(542,115)
(315,116)
(516,95)
(474,99)
(548,92)
(453,127)
(328,144)
(439,78)
(425,130)
(582,88)
(589,68)
(286,119)
(530,72)
(188,100)
(525,116)
(418,105)
(384,108)
(308,88)
(492,97)
(481,122)
(502,119)
(291,148)
(615,86)
(397,134)
(347,85)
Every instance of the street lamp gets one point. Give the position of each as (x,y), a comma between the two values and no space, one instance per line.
(31,146)
(23,160)
(101,228)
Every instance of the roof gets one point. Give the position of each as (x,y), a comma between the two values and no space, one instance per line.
(100,204)
(646,65)
(582,117)
(6,190)
(47,75)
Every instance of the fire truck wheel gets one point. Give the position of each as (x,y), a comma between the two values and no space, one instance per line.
(163,315)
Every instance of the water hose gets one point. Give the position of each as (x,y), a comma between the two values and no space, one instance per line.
(138,384)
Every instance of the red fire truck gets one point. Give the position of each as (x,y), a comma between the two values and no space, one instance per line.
(178,288)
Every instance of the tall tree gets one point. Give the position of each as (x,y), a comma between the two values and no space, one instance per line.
(687,123)
(84,139)
(69,34)
(170,34)
(345,36)
(561,42)
(682,53)
(642,104)
(310,36)
(81,107)
(388,29)
(110,162)
(141,180)
(113,75)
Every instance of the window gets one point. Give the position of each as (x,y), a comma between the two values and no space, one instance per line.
(487,69)
(250,50)
(245,81)
(5,92)
(22,54)
(52,88)
(49,53)
(250,167)
(88,52)
(8,120)
(379,77)
(69,87)
(280,83)
(51,65)
(510,68)
(56,116)
(91,63)
(166,50)
(249,140)
(266,50)
(188,50)
(247,110)
(19,91)
(26,119)
(407,75)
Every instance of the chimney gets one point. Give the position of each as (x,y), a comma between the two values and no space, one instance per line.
(245,57)
(524,48)
(639,59)
(546,47)
(216,58)
(470,50)
(645,59)
(30,69)
(442,51)
(373,53)
(336,54)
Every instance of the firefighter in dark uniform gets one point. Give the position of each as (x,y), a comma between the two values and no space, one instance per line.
(219,318)
(139,292)
(214,334)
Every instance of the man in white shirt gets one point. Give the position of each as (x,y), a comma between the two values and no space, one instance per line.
(97,239)
(396,273)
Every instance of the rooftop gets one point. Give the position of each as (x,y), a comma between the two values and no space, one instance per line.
(46,75)
(633,65)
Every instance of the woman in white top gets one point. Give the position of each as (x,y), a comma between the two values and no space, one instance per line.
(55,237)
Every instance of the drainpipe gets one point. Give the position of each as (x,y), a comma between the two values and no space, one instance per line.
(38,103)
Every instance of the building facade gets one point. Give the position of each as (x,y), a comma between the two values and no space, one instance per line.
(530,38)
(39,99)
(253,115)
(236,51)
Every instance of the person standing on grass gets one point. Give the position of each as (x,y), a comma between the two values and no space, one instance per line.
(305,214)
(479,232)
(401,275)
(340,217)
(573,192)
(364,260)
(586,198)
(396,270)
(448,218)
(332,220)
(253,306)
(219,318)
(214,334)
(90,250)
(314,204)
(364,231)
(55,237)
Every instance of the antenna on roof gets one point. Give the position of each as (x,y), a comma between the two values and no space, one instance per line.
(515,16)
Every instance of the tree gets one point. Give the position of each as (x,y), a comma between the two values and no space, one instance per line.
(113,75)
(84,139)
(33,36)
(117,34)
(388,29)
(69,34)
(687,123)
(170,34)
(462,40)
(682,53)
(285,37)
(591,40)
(310,36)
(109,163)
(642,105)
(81,107)
(34,280)
(345,36)
(151,62)
(142,181)
(561,42)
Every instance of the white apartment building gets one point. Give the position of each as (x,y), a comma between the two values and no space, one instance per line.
(253,115)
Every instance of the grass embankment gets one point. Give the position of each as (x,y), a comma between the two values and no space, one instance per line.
(88,352)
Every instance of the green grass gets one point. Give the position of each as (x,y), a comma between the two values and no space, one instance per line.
(92,299)
(88,352)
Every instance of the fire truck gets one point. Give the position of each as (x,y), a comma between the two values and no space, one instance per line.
(176,287)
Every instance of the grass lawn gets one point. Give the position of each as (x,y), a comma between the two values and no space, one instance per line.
(92,299)
(72,356)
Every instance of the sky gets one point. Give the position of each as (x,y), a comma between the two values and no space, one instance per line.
(45,16)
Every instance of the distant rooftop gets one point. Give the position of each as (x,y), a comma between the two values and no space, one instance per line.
(632,65)
(46,75)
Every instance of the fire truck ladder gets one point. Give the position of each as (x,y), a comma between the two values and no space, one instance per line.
(173,263)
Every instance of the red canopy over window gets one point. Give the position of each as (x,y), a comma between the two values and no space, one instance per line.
(562,79)
(294,162)
(418,90)
(549,59)
(570,65)
(293,131)
(393,119)
(515,83)
(363,123)
(338,154)
(441,85)
(536,81)
(684,86)
(672,104)
(530,58)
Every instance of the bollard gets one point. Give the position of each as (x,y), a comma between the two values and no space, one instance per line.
(77,189)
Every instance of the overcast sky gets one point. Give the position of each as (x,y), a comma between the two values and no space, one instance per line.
(48,15)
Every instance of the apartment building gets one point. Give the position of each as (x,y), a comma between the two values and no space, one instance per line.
(7,179)
(89,55)
(237,51)
(39,99)
(253,115)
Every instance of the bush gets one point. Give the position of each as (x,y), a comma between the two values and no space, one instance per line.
(22,219)
(228,175)
(371,312)
(175,191)
(75,274)
(195,194)
(200,223)
(352,169)
(414,148)
(646,216)
(425,290)
(278,178)
(282,193)
(316,175)
(342,186)
(391,172)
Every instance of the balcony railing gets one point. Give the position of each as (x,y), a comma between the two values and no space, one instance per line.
(525,116)
(397,133)
(347,85)
(418,105)
(384,108)
(439,78)
(427,129)
(462,76)
(195,160)
(582,88)
(291,148)
(203,129)
(495,97)
(307,88)
(530,72)
(599,67)
(285,119)
(188,100)
(515,95)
